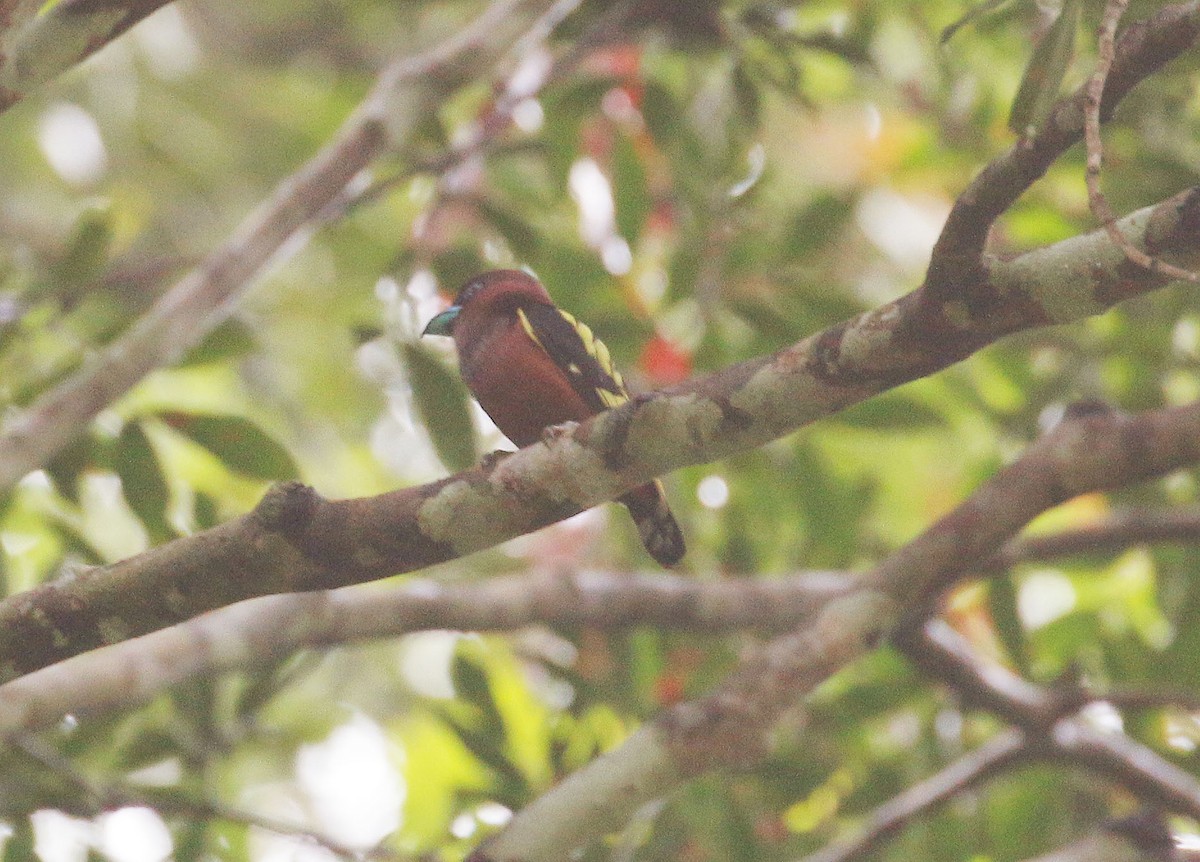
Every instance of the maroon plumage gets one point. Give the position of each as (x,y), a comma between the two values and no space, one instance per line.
(532,365)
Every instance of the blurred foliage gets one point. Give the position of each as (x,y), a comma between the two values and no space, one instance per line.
(773,168)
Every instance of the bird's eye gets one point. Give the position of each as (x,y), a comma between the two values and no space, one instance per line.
(465,295)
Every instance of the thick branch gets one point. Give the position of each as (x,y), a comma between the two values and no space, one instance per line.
(386,118)
(261,631)
(264,630)
(296,541)
(731,726)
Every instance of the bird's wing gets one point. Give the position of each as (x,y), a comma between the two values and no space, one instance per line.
(579,354)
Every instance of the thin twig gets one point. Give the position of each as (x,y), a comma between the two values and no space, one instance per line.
(205,296)
(1116,532)
(1094,91)
(496,121)
(958,259)
(1127,697)
(731,726)
(110,793)
(296,540)
(1048,718)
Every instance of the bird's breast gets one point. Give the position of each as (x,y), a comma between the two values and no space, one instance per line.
(518,385)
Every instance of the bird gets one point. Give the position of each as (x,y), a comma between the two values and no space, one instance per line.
(531,365)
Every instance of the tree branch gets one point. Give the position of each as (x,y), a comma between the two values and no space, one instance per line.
(296,541)
(941,652)
(731,726)
(1094,94)
(385,119)
(1047,716)
(1000,752)
(263,631)
(1128,763)
(259,632)
(1145,47)
(1115,532)
(1108,846)
(96,796)
(36,48)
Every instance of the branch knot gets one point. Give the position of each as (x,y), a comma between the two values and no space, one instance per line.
(287,508)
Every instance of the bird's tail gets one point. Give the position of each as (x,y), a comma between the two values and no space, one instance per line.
(655,523)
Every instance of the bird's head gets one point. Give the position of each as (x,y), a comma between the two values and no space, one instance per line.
(491,296)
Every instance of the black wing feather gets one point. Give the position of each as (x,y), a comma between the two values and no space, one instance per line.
(580,355)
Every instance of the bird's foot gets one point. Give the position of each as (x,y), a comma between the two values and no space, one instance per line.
(489,461)
(554,432)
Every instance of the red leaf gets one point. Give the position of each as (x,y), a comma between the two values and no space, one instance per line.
(668,689)
(618,61)
(664,362)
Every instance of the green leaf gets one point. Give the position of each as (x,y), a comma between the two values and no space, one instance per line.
(764,317)
(199,705)
(1002,602)
(264,685)
(191,842)
(205,511)
(19,845)
(974,13)
(230,339)
(76,544)
(662,113)
(1045,72)
(87,251)
(456,265)
(66,467)
(687,259)
(747,98)
(471,683)
(441,401)
(883,684)
(891,412)
(815,225)
(482,728)
(142,480)
(518,233)
(241,445)
(151,745)
(630,189)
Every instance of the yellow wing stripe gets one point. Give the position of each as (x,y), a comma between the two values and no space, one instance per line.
(611,399)
(528,327)
(598,350)
(594,347)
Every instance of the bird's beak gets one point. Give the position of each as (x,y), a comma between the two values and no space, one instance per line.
(443,324)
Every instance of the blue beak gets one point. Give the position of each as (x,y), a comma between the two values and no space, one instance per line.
(443,324)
